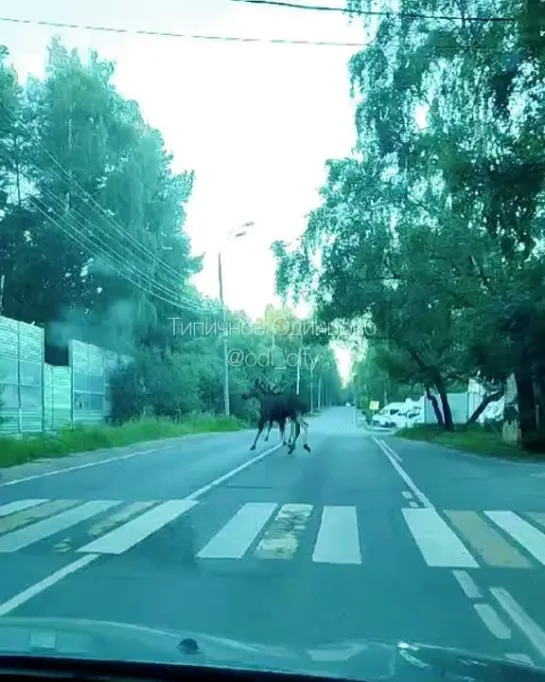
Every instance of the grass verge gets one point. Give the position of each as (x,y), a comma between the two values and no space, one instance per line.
(86,438)
(470,438)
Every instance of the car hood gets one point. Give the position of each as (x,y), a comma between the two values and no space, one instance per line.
(357,659)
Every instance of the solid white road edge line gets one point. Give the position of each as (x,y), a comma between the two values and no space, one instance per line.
(115,458)
(233,472)
(55,578)
(392,452)
(42,585)
(76,467)
(404,475)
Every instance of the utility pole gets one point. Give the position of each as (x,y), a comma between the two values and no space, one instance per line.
(311,389)
(2,282)
(234,235)
(298,385)
(225,354)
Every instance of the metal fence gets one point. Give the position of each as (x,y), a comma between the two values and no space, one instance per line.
(36,396)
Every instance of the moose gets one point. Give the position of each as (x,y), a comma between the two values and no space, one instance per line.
(279,407)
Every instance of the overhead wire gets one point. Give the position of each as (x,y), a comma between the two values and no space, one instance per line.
(376,13)
(172,280)
(70,228)
(279,41)
(171,34)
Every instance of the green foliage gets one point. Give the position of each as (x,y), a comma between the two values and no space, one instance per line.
(89,438)
(435,229)
(478,439)
(93,247)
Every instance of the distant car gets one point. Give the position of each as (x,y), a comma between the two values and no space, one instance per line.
(348,405)
(385,417)
(408,417)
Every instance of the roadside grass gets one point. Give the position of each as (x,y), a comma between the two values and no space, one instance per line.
(475,438)
(80,438)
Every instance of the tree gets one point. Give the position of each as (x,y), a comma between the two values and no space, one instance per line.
(435,229)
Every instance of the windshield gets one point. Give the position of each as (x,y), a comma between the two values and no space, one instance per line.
(272,369)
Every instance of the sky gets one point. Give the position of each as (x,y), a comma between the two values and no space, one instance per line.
(255,121)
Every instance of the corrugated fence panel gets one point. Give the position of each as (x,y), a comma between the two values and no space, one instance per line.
(9,376)
(31,343)
(31,369)
(48,397)
(37,396)
(62,397)
(9,338)
(88,385)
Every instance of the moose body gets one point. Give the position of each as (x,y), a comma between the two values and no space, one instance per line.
(279,407)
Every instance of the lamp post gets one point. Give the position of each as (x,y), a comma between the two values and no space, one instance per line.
(241,232)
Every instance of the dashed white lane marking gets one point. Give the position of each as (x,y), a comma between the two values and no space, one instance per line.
(46,583)
(407,495)
(413,504)
(523,621)
(492,620)
(467,584)
(404,475)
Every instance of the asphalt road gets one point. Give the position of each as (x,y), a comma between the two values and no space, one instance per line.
(368,536)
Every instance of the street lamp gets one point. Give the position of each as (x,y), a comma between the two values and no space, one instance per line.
(241,232)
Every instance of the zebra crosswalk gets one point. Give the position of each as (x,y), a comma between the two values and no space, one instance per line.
(325,534)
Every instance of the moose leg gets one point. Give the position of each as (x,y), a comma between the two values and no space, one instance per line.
(268,432)
(282,430)
(291,446)
(305,434)
(292,431)
(260,427)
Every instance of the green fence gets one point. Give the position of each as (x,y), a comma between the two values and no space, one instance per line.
(39,397)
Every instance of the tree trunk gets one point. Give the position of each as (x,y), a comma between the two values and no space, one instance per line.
(435,405)
(447,414)
(485,402)
(526,406)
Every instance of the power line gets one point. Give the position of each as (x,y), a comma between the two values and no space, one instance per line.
(147,257)
(169,34)
(375,13)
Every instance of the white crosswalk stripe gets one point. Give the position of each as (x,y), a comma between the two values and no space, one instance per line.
(525,534)
(338,539)
(132,532)
(18,505)
(321,534)
(439,544)
(236,537)
(43,529)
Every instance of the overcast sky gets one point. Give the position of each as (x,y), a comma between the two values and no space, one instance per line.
(255,121)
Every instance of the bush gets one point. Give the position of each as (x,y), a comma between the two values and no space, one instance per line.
(474,438)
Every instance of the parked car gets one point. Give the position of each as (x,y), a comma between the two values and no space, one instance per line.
(386,416)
